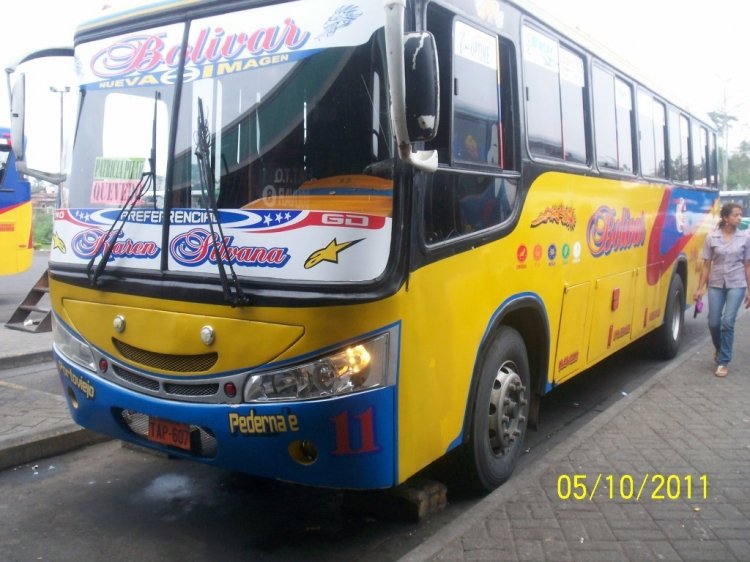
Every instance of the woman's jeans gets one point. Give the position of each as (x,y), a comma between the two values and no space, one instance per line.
(723,305)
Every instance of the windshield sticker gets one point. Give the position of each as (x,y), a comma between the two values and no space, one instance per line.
(227,43)
(58,244)
(93,242)
(283,244)
(115,179)
(342,17)
(198,246)
(330,253)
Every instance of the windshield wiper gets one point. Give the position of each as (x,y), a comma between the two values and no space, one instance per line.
(147,180)
(208,187)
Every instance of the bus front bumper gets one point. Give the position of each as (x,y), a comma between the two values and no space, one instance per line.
(343,442)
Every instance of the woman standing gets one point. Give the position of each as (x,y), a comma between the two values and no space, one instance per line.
(726,273)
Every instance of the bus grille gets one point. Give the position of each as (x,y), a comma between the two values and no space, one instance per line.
(192,389)
(165,362)
(135,379)
(203,442)
(177,389)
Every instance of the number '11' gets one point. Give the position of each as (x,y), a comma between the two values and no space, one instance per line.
(362,423)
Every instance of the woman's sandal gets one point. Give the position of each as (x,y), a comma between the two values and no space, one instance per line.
(721,371)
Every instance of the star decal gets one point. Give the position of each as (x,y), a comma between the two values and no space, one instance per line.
(330,253)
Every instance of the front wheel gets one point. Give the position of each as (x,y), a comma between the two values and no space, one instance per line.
(499,413)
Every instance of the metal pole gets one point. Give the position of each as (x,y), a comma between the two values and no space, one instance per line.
(61,92)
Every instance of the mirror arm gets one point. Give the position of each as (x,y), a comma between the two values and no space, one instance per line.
(56,179)
(426,160)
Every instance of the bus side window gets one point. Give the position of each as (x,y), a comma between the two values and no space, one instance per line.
(478,125)
(651,132)
(477,136)
(700,156)
(679,147)
(613,122)
(713,177)
(555,94)
(459,204)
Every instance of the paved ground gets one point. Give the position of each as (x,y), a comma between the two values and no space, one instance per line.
(664,474)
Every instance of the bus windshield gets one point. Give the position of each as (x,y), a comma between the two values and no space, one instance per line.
(299,147)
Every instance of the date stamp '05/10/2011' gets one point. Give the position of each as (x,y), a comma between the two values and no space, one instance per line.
(627,487)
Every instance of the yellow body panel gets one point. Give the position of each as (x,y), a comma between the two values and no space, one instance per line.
(243,343)
(16,249)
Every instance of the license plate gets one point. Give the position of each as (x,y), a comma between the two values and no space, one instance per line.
(169,433)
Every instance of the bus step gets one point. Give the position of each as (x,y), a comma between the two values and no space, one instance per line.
(34,313)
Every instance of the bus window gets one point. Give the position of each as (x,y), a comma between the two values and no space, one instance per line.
(458,204)
(541,76)
(624,109)
(613,110)
(475,100)
(700,156)
(554,80)
(651,122)
(572,83)
(713,178)
(678,147)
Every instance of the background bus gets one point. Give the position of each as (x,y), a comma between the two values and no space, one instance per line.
(387,263)
(16,244)
(741,196)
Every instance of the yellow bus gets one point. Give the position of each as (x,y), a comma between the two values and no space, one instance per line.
(16,242)
(331,243)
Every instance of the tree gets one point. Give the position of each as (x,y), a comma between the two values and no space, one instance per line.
(739,168)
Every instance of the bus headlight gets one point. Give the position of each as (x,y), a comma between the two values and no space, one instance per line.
(72,348)
(361,366)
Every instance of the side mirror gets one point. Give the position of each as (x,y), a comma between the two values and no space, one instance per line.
(37,117)
(422,87)
(17,117)
(407,56)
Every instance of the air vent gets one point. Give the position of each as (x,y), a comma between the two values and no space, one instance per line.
(165,362)
(191,389)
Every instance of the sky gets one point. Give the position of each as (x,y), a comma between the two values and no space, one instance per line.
(692,51)
(689,51)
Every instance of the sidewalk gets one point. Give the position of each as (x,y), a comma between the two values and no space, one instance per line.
(682,429)
(33,424)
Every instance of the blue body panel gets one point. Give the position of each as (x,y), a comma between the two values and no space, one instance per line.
(354,435)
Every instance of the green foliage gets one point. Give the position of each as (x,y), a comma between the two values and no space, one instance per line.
(41,225)
(738,176)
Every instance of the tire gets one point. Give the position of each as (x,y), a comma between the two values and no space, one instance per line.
(499,414)
(667,338)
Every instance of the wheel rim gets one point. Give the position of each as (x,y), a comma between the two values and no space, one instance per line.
(507,407)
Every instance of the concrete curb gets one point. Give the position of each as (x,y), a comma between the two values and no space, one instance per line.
(13,361)
(35,445)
